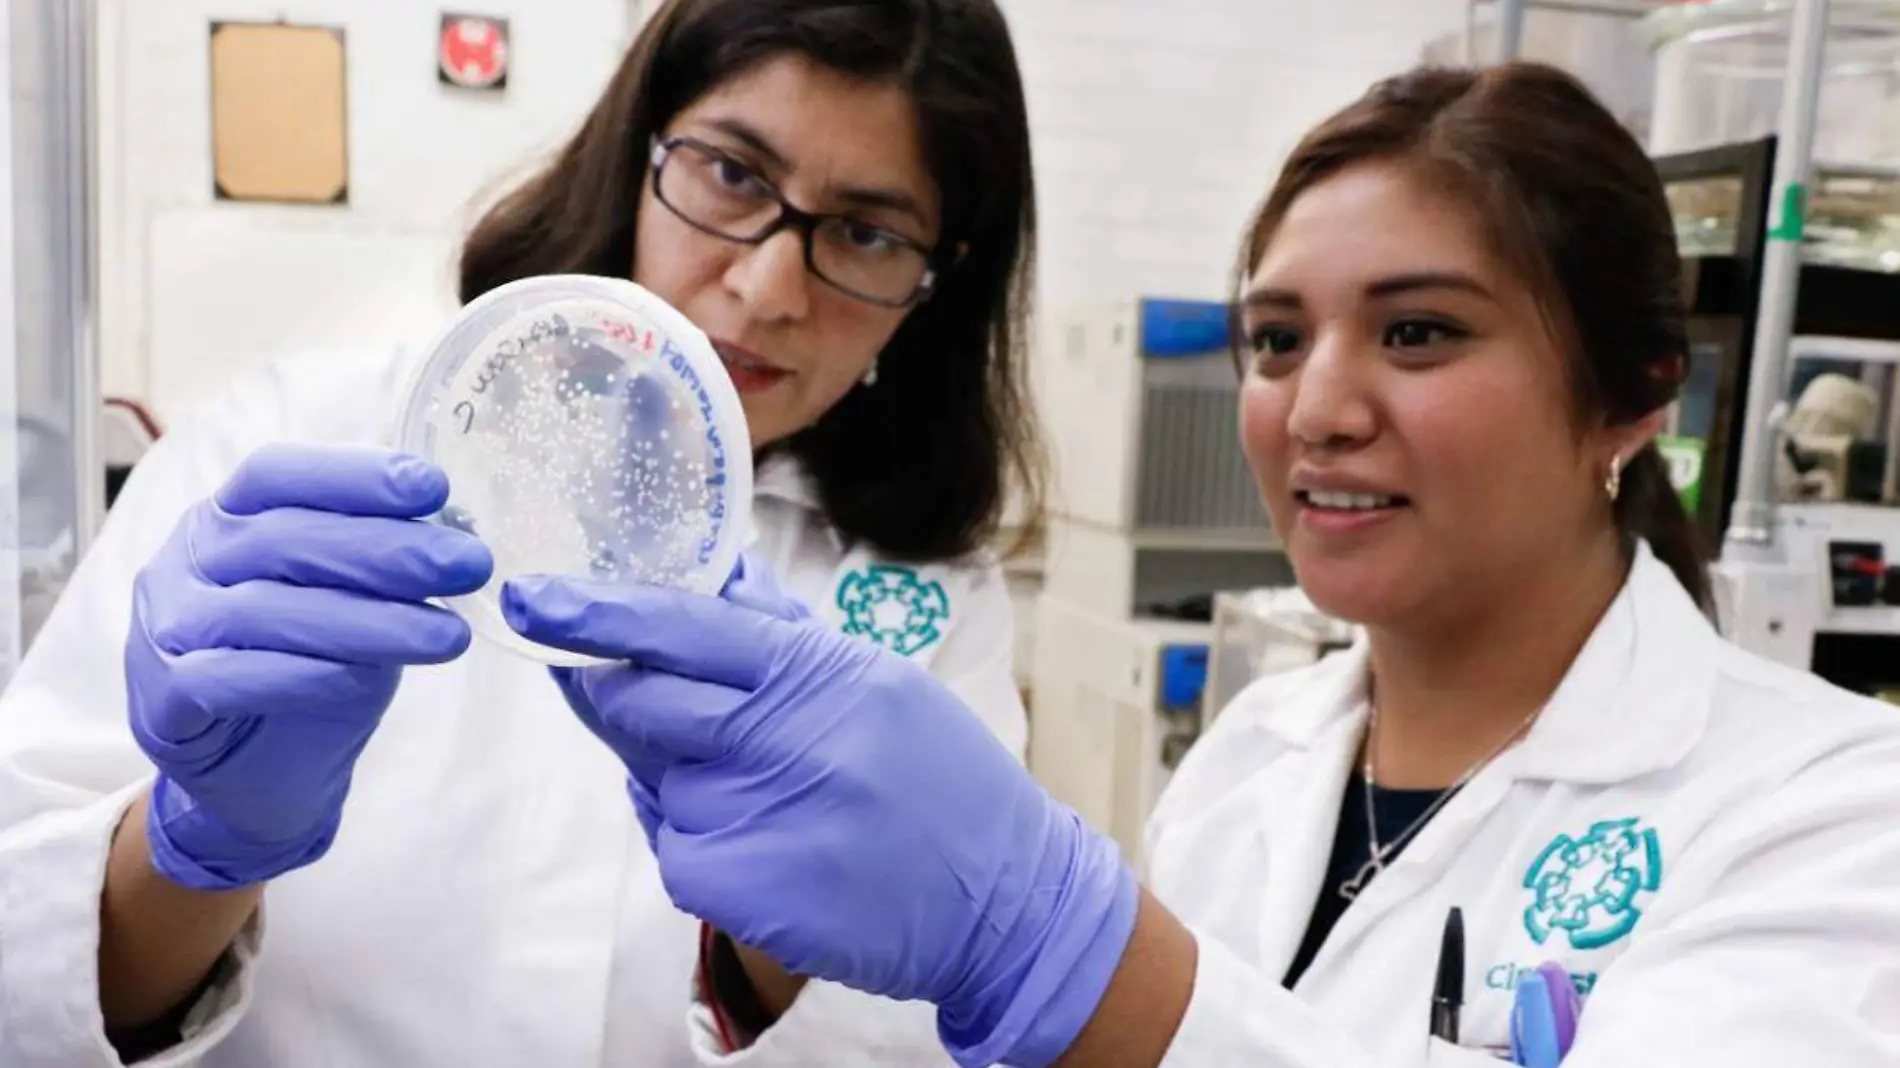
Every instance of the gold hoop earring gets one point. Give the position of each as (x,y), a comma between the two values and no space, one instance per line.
(1615,482)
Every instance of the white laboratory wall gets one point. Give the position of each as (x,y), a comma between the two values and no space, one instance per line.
(1158,125)
(193,290)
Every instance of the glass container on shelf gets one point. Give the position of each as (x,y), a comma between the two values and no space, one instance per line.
(1853,216)
(1719,72)
(1705,211)
(1720,67)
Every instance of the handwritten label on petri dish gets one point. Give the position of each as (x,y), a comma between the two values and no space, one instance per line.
(506,352)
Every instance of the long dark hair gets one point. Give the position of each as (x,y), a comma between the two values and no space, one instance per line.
(1570,200)
(918,466)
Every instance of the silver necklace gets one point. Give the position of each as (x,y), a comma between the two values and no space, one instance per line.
(1351,888)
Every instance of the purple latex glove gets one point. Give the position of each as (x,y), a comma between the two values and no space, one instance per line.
(267,638)
(832,805)
(751,585)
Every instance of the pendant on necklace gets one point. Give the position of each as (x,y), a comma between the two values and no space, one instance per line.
(1351,888)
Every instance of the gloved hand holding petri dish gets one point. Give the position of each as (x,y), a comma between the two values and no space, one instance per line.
(588,430)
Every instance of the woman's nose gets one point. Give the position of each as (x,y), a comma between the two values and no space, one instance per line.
(770,278)
(1330,405)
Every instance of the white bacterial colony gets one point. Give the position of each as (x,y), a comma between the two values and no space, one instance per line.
(571,453)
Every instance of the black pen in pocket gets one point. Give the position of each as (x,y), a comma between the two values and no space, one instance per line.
(1448,992)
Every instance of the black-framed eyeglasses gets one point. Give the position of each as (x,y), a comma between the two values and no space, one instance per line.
(716,194)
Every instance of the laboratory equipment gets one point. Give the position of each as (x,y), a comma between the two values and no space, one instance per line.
(1720,70)
(1831,449)
(1792,296)
(1720,200)
(1263,632)
(1846,289)
(127,431)
(1720,75)
(588,430)
(1153,512)
(51,494)
(1836,520)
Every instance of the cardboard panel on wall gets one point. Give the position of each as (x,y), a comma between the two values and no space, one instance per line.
(279,118)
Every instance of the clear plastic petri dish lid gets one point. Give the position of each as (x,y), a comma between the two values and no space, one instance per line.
(588,430)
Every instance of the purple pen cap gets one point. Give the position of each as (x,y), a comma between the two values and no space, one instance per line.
(1565,1005)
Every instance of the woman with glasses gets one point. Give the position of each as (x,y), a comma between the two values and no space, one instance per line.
(234,831)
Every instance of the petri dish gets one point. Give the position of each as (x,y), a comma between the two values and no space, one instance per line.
(588,430)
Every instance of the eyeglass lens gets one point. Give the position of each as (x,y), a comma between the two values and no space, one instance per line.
(722,195)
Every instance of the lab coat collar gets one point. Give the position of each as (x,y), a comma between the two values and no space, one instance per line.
(1635,700)
(1334,692)
(783,476)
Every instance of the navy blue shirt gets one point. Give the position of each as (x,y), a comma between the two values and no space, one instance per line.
(1352,847)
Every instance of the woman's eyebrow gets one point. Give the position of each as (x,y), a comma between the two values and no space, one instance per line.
(887,197)
(1415,280)
(1390,286)
(1268,297)
(881,197)
(751,137)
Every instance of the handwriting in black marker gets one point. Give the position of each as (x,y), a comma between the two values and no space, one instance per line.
(468,417)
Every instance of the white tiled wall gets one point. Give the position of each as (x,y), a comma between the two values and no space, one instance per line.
(1157,125)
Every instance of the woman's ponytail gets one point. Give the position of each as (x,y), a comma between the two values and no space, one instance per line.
(1648,507)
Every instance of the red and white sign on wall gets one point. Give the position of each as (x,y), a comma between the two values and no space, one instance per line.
(472,51)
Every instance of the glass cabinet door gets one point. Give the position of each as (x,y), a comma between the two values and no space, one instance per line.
(51,493)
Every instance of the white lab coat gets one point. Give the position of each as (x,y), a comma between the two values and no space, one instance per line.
(490,900)
(1760,866)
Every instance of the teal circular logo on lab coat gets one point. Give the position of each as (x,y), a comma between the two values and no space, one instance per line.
(1586,888)
(893,607)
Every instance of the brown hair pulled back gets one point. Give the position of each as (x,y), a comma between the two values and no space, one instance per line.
(1570,200)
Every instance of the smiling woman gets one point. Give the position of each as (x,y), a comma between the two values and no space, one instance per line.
(1428,317)
(1461,325)
(1452,374)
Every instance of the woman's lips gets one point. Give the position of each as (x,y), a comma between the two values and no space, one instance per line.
(1341,512)
(748,370)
